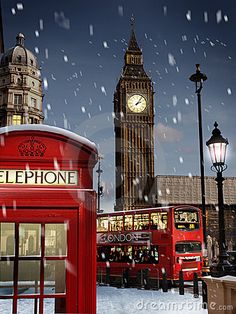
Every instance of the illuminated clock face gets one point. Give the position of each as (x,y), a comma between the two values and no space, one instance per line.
(137,103)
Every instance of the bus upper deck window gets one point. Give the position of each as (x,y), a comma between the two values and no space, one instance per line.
(102,224)
(128,222)
(116,223)
(141,221)
(158,221)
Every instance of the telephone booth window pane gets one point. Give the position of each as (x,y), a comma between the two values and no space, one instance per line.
(7,239)
(28,277)
(5,306)
(49,305)
(29,240)
(54,277)
(55,239)
(28,306)
(57,305)
(6,278)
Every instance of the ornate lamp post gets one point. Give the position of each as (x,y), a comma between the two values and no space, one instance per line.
(99,187)
(217,147)
(198,79)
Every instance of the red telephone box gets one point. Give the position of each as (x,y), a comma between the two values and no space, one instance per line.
(47,221)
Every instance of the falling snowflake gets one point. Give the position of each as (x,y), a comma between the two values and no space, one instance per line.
(174,100)
(105,45)
(171,59)
(136,181)
(61,20)
(45,114)
(165,10)
(179,116)
(218,16)
(20,6)
(45,83)
(186,101)
(103,90)
(188,15)
(56,165)
(46,53)
(4,211)
(120,10)
(91,30)
(41,24)
(229,91)
(14,204)
(2,141)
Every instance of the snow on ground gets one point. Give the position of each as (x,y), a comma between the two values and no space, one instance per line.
(112,300)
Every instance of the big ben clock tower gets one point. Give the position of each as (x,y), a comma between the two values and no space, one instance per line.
(134,139)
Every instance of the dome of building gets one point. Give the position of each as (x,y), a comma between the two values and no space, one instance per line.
(19,55)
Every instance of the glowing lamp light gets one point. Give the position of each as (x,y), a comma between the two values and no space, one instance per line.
(217,146)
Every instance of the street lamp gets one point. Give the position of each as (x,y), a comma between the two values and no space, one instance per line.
(198,78)
(99,187)
(217,146)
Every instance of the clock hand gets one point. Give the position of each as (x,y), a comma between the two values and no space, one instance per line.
(138,101)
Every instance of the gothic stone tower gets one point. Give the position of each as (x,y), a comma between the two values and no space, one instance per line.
(134,139)
(20,86)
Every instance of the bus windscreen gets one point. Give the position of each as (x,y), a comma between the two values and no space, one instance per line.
(188,247)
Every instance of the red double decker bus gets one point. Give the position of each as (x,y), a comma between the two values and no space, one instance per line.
(163,239)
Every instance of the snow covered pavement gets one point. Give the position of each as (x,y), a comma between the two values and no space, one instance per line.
(112,300)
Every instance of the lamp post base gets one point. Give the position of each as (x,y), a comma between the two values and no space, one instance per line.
(222,268)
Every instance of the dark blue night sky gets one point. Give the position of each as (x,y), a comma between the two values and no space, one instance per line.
(80,46)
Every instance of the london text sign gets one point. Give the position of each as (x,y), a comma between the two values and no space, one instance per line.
(130,237)
(38,177)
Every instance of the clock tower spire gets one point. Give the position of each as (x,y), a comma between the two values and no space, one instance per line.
(134,139)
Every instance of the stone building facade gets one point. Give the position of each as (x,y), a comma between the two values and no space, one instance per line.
(21,95)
